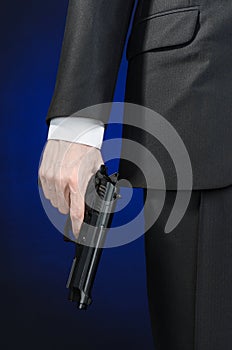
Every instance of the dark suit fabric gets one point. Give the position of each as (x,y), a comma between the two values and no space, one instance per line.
(189,273)
(93,42)
(179,56)
(179,65)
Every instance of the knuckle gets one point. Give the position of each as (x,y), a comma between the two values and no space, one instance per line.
(57,180)
(76,216)
(73,183)
(49,177)
(41,172)
(54,204)
(63,181)
(72,178)
(46,195)
(63,210)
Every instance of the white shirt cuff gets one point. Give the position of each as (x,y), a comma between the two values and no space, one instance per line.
(80,130)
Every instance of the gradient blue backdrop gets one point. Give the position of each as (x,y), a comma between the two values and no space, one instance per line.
(35,260)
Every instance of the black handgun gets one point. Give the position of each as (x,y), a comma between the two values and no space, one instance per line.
(100,200)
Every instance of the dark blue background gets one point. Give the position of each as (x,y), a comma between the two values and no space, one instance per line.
(34,259)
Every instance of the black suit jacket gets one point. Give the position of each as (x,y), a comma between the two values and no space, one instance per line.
(179,55)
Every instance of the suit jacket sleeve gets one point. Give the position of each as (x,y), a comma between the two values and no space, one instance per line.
(93,43)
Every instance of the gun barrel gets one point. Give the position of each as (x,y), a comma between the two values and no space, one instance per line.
(91,239)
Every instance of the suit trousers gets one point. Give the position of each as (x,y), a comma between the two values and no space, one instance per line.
(189,273)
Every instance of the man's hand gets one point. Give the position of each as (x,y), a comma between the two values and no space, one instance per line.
(65,171)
